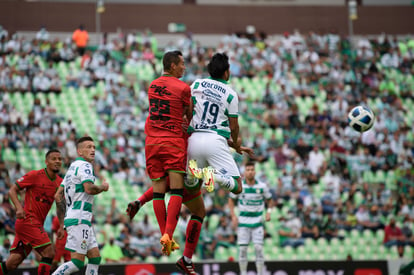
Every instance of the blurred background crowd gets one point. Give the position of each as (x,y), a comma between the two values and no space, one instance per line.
(333,187)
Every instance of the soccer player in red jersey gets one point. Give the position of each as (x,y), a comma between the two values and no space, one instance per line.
(40,188)
(165,144)
(60,250)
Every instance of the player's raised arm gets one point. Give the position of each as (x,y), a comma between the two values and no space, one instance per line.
(92,189)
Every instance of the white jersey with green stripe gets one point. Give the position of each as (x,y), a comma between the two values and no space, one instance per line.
(214,102)
(251,203)
(78,202)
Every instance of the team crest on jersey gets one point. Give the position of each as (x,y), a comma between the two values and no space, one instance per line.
(83,244)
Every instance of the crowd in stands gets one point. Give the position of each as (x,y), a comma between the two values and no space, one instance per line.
(295,92)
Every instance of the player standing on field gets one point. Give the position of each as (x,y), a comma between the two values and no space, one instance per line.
(75,197)
(40,188)
(165,144)
(251,204)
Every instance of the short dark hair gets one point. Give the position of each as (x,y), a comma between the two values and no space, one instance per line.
(169,58)
(83,139)
(51,151)
(218,65)
(250,163)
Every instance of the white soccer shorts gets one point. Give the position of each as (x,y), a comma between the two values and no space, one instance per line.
(210,149)
(81,238)
(247,234)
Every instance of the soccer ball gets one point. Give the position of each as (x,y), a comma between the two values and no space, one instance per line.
(361,118)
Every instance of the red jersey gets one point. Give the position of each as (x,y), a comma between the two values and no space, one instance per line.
(168,96)
(391,232)
(40,195)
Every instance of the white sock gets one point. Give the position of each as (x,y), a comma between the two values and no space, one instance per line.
(91,269)
(66,269)
(243,260)
(259,258)
(243,268)
(226,182)
(259,268)
(188,260)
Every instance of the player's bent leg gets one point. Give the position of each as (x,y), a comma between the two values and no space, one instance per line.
(243,259)
(94,260)
(72,266)
(259,258)
(14,260)
(48,253)
(229,183)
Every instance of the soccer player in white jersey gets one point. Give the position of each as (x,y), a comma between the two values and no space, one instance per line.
(214,122)
(75,197)
(251,205)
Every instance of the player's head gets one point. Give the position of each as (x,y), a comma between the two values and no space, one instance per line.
(219,66)
(53,160)
(250,171)
(173,63)
(85,147)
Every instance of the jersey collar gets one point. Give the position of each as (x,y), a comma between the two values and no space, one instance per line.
(47,174)
(80,158)
(219,80)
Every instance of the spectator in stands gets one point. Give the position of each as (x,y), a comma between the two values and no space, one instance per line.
(16,172)
(143,244)
(5,183)
(5,249)
(224,234)
(111,252)
(330,228)
(290,231)
(393,236)
(309,227)
(43,35)
(81,38)
(127,252)
(219,202)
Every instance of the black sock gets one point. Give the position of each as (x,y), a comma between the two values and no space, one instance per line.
(4,268)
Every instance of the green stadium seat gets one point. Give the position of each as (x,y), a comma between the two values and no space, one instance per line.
(368,176)
(213,221)
(9,155)
(379,235)
(221,253)
(152,259)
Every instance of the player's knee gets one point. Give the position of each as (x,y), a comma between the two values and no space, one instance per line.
(12,265)
(96,260)
(47,260)
(12,262)
(78,263)
(259,252)
(239,186)
(48,253)
(243,252)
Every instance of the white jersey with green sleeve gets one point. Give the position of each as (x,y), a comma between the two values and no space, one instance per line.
(214,102)
(78,202)
(251,203)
